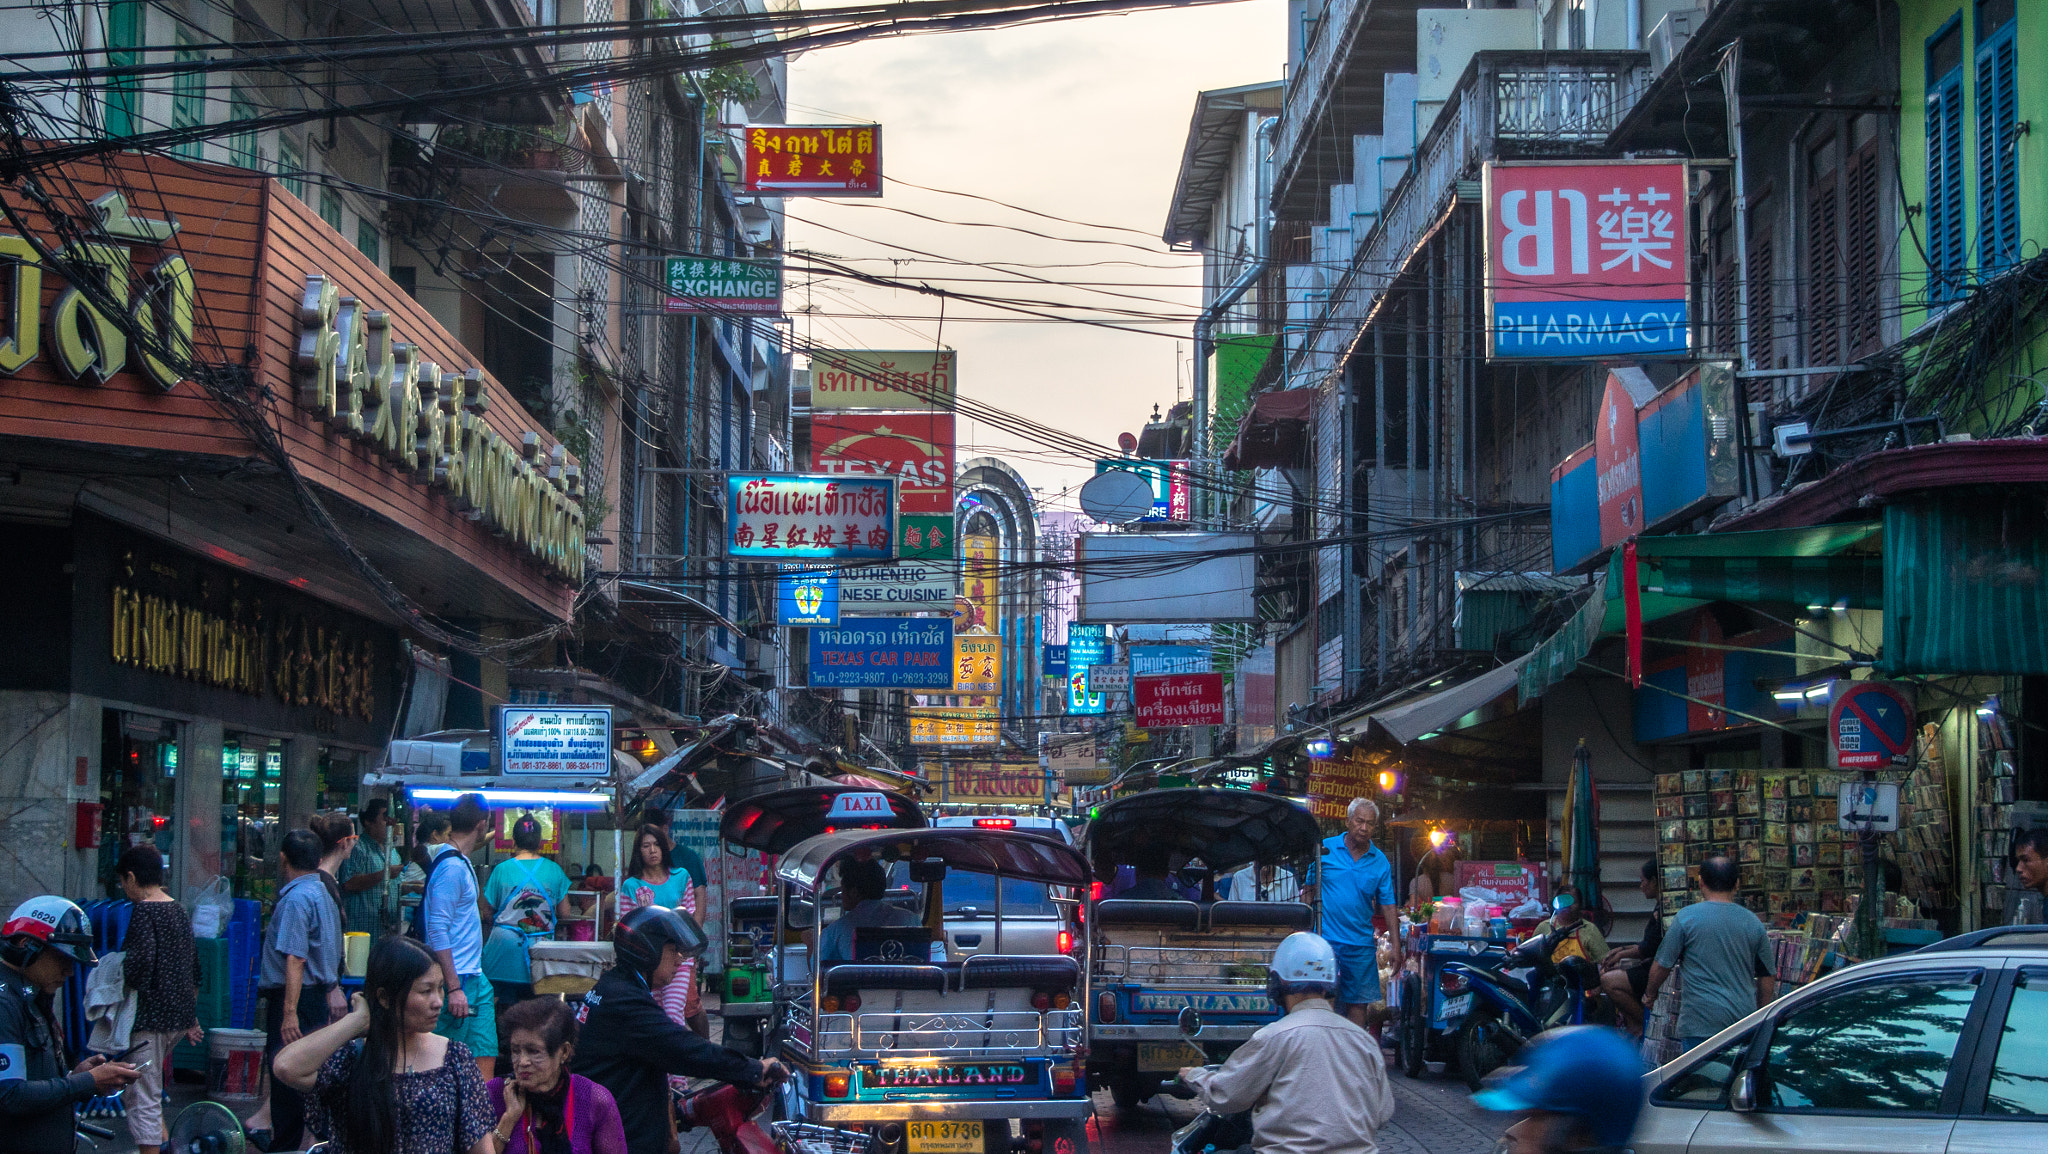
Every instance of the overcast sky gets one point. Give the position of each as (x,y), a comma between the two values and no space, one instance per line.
(1082,119)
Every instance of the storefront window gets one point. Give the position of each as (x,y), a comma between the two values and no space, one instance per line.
(138,787)
(252,807)
(341,778)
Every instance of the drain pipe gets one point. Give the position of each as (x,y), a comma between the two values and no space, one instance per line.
(1205,324)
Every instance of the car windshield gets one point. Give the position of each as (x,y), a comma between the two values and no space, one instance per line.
(965,891)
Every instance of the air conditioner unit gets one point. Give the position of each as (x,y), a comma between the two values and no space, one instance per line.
(1668,38)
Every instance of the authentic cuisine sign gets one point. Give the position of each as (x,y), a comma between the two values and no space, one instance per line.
(913,380)
(814,159)
(796,517)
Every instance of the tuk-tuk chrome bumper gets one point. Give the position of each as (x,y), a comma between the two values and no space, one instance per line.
(1169,1032)
(942,1110)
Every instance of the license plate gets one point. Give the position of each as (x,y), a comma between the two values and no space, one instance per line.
(1154,1057)
(1457,1007)
(944,1137)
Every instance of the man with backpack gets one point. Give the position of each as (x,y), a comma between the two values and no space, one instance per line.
(451,925)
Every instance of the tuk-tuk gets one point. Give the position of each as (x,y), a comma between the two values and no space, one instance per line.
(914,1045)
(1161,953)
(771,823)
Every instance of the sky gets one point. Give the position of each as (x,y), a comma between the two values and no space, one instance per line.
(1081,119)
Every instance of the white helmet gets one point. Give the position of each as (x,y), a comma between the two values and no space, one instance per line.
(1304,959)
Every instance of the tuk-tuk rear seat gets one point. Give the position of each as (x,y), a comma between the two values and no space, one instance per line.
(1263,915)
(852,977)
(992,973)
(1008,973)
(752,909)
(1180,915)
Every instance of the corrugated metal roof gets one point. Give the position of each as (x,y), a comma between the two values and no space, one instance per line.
(1205,161)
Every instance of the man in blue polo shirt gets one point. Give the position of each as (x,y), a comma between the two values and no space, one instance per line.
(1354,881)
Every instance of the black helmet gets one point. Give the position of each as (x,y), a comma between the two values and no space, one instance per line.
(638,938)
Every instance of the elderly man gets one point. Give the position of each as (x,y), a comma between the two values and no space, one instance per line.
(1353,882)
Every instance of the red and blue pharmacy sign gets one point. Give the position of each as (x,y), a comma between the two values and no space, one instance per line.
(1587,259)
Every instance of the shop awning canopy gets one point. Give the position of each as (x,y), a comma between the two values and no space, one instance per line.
(1274,431)
(1410,718)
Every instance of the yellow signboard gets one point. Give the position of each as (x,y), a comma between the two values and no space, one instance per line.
(977,663)
(983,583)
(896,380)
(996,782)
(954,727)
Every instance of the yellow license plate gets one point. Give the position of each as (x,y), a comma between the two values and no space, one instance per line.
(945,1137)
(1155,1057)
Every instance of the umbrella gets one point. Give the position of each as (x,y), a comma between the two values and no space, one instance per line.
(1582,831)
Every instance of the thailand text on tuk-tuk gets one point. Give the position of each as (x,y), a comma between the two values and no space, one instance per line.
(1158,951)
(921,1044)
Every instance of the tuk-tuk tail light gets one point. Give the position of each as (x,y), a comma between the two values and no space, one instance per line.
(1065,1081)
(1453,983)
(1066,941)
(1062,1001)
(1041,1001)
(838,1085)
(850,1003)
(1105,1006)
(742,986)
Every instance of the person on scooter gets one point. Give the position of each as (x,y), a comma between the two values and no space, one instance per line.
(1578,1090)
(43,943)
(1315,1080)
(630,1046)
(1575,933)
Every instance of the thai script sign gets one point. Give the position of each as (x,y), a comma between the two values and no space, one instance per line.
(789,516)
(807,597)
(1588,260)
(814,159)
(977,663)
(954,727)
(698,284)
(1177,699)
(892,380)
(561,740)
(914,448)
(996,782)
(1087,645)
(884,653)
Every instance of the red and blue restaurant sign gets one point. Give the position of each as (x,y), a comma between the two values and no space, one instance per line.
(1658,458)
(1588,259)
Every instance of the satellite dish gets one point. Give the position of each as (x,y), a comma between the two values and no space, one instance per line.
(1116,497)
(1128,442)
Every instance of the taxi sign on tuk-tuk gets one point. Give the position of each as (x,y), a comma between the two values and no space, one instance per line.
(849,808)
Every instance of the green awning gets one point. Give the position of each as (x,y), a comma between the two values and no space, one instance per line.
(1554,660)
(1966,575)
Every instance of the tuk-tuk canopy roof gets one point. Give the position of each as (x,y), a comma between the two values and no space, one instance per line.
(1012,853)
(773,822)
(1226,828)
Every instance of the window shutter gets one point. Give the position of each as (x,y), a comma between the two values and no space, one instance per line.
(1998,209)
(1824,269)
(1863,256)
(1762,314)
(1945,255)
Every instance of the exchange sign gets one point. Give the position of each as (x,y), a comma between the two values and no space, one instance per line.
(814,159)
(794,517)
(555,740)
(912,379)
(914,448)
(700,284)
(884,653)
(1588,260)
(1172,699)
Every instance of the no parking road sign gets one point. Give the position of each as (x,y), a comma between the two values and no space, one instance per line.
(1870,726)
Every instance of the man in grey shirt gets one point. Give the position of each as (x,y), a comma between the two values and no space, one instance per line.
(1726,954)
(301,964)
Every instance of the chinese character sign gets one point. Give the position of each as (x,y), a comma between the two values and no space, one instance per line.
(980,579)
(955,727)
(699,284)
(884,653)
(977,663)
(814,159)
(914,448)
(1086,645)
(1171,492)
(793,517)
(925,537)
(1588,260)
(868,379)
(1177,699)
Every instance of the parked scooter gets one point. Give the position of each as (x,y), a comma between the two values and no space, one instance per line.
(1210,1133)
(1500,1012)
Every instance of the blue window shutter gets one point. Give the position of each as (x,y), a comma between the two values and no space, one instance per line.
(1998,194)
(1946,257)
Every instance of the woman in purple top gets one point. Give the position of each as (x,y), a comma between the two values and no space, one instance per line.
(543,1108)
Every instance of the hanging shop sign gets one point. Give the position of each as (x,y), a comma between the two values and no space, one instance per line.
(1587,260)
(1657,459)
(980,581)
(1150,659)
(1334,782)
(1052,661)
(897,380)
(723,287)
(884,653)
(1087,645)
(914,448)
(896,587)
(1068,751)
(1172,699)
(1172,494)
(1109,678)
(961,728)
(557,740)
(799,517)
(1870,726)
(925,537)
(814,159)
(977,663)
(804,598)
(997,782)
(1713,685)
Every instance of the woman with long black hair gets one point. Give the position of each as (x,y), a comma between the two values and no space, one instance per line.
(381,1081)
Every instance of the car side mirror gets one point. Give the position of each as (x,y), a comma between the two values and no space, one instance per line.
(1742,1093)
(1190,1021)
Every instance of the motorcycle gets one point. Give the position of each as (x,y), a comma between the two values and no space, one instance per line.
(1501,1012)
(1210,1133)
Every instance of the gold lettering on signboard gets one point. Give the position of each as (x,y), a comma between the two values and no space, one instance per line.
(25,304)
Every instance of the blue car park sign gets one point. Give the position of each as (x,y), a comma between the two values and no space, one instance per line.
(884,653)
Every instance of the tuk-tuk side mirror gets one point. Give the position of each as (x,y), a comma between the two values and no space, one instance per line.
(1742,1093)
(928,872)
(1190,1021)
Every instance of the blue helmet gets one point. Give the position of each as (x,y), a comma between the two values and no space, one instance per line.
(1590,1071)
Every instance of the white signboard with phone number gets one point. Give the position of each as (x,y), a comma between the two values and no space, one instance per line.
(556,740)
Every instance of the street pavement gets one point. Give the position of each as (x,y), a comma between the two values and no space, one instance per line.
(1432,1115)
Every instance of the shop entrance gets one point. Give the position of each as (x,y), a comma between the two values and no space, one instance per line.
(252,812)
(138,789)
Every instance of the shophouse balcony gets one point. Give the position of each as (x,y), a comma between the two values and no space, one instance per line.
(1334,92)
(456,55)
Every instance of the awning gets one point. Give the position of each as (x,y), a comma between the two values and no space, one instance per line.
(1965,578)
(1274,431)
(1441,710)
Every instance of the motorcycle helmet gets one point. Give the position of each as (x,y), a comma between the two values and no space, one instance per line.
(1303,963)
(638,939)
(1590,1072)
(48,923)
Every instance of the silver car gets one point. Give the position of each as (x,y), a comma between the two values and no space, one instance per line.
(1941,1051)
